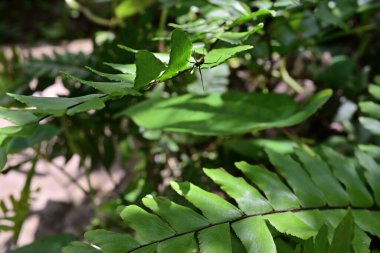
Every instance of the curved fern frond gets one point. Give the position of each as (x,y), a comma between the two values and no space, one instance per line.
(321,200)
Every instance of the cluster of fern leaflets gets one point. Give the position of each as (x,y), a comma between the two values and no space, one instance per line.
(320,199)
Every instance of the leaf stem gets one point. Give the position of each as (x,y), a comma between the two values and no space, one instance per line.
(96,19)
(287,78)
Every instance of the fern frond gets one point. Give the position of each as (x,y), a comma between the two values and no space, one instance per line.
(322,200)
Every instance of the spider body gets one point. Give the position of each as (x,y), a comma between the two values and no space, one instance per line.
(199,62)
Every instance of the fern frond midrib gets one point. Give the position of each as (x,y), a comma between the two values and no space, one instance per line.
(245,216)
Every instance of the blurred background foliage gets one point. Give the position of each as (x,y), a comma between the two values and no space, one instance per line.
(306,47)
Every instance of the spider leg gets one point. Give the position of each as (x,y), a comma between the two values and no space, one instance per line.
(200,72)
(192,69)
(212,62)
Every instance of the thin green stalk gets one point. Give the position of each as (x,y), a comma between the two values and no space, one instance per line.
(91,16)
(161,29)
(287,78)
(88,179)
(163,19)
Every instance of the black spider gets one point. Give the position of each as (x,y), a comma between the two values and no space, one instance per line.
(198,64)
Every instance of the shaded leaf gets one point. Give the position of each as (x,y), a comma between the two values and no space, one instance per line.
(324,179)
(111,242)
(18,117)
(345,171)
(278,194)
(222,114)
(361,242)
(306,191)
(343,235)
(184,243)
(81,247)
(321,244)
